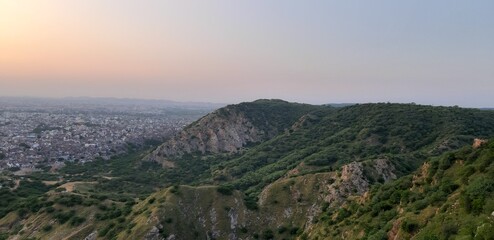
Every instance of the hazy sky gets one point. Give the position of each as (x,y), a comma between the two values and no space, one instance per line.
(424,51)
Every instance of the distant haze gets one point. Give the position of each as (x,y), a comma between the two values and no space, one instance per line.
(429,52)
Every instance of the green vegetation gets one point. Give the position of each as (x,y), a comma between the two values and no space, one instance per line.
(405,134)
(124,176)
(452,195)
(269,115)
(27,198)
(448,196)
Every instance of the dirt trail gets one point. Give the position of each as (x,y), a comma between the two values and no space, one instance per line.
(70,186)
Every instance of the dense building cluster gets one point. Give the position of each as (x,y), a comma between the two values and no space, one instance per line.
(30,137)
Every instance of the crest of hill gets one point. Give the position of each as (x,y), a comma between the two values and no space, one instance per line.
(228,129)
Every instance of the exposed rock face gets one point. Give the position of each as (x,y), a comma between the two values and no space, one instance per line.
(351,182)
(213,134)
(153,234)
(229,129)
(293,201)
(92,236)
(478,142)
(385,169)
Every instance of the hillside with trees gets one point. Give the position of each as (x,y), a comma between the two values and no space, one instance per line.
(290,171)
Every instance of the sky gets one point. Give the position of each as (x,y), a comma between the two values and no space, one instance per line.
(438,52)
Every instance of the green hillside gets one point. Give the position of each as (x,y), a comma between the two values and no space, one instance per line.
(323,140)
(449,197)
(270,114)
(365,171)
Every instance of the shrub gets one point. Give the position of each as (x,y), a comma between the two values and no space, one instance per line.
(76,221)
(449,229)
(49,209)
(225,189)
(294,230)
(473,198)
(282,229)
(380,235)
(268,234)
(420,204)
(409,226)
(175,189)
(63,217)
(251,203)
(447,161)
(47,228)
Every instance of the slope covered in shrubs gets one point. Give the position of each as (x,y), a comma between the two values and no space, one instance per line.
(449,197)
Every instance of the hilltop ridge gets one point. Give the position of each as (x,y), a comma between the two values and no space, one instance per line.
(228,129)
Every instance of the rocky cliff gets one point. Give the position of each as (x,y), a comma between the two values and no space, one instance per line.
(229,129)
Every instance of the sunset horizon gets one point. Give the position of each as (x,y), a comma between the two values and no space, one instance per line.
(437,53)
(246,120)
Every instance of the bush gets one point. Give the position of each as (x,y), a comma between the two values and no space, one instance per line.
(251,203)
(294,230)
(430,237)
(63,217)
(175,189)
(225,189)
(447,161)
(473,198)
(449,229)
(76,221)
(50,209)
(22,212)
(69,200)
(380,235)
(420,204)
(409,226)
(47,228)
(268,234)
(342,214)
(282,229)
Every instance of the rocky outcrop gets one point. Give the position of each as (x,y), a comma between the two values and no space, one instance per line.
(477,142)
(351,182)
(219,132)
(229,129)
(292,201)
(354,182)
(385,169)
(153,234)
(92,236)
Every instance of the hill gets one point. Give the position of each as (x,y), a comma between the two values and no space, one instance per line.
(326,138)
(228,129)
(282,171)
